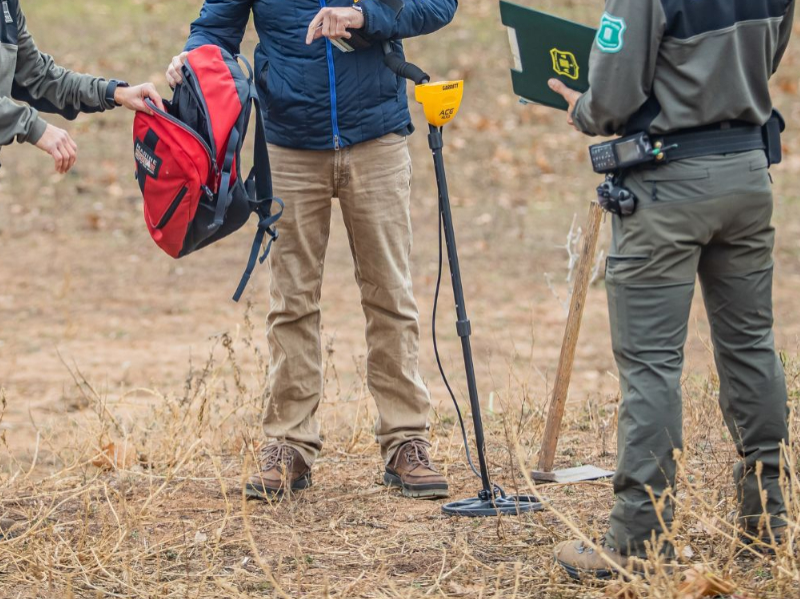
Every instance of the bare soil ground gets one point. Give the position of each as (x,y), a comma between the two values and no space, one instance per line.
(104,339)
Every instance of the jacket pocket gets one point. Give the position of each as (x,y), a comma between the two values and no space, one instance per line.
(8,59)
(262,76)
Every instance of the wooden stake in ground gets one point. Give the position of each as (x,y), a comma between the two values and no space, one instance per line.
(555,415)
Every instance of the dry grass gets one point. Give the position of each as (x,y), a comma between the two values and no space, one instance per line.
(93,369)
(164,514)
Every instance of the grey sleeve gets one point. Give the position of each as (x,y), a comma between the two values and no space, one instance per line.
(20,122)
(784,34)
(40,81)
(622,65)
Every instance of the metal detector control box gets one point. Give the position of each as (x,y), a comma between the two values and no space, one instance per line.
(440,100)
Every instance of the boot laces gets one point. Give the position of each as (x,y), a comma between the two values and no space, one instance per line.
(277,455)
(416,454)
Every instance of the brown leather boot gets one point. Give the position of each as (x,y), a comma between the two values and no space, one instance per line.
(410,469)
(282,470)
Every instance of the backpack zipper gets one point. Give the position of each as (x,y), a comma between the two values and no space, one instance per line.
(332,82)
(167,216)
(198,94)
(187,129)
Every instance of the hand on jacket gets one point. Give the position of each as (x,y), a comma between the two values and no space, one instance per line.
(333,23)
(133,98)
(58,144)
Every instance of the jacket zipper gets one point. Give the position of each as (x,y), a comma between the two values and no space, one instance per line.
(332,81)
(167,217)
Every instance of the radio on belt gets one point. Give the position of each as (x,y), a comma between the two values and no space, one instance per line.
(623,153)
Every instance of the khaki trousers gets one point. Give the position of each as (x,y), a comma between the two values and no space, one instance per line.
(372,181)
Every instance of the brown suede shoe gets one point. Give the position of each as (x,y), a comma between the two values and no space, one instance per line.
(10,528)
(411,470)
(282,470)
(580,560)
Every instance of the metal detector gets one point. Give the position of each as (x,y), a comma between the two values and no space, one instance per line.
(441,102)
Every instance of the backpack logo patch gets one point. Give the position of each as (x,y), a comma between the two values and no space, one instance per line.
(7,12)
(565,63)
(148,161)
(610,35)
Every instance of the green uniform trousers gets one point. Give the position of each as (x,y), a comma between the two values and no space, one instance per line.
(711,217)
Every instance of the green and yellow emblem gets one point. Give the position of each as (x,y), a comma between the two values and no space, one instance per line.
(565,63)
(610,35)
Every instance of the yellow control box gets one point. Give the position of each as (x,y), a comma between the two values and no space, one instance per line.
(440,100)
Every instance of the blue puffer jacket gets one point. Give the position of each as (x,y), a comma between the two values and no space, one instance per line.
(317,97)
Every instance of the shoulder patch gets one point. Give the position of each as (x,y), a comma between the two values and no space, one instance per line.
(610,36)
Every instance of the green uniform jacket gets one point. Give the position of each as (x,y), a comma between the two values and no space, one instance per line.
(664,65)
(28,75)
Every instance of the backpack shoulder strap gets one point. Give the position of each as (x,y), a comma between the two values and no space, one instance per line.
(225,195)
(238,132)
(259,188)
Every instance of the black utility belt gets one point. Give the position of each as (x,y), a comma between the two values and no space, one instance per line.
(724,138)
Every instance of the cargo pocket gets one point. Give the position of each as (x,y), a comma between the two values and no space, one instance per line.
(624,267)
(677,185)
(616,313)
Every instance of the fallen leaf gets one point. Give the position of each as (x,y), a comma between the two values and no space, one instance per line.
(115,457)
(94,221)
(703,584)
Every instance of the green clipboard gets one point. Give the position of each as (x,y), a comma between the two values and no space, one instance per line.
(546,47)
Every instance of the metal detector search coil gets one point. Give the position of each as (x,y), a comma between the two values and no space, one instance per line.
(440,100)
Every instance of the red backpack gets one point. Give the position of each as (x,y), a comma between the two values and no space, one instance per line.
(189,161)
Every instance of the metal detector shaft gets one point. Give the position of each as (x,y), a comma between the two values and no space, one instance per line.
(440,102)
(463,326)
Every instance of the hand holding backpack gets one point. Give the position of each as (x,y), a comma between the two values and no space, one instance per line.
(188,161)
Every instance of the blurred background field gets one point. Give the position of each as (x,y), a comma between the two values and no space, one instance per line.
(105,340)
